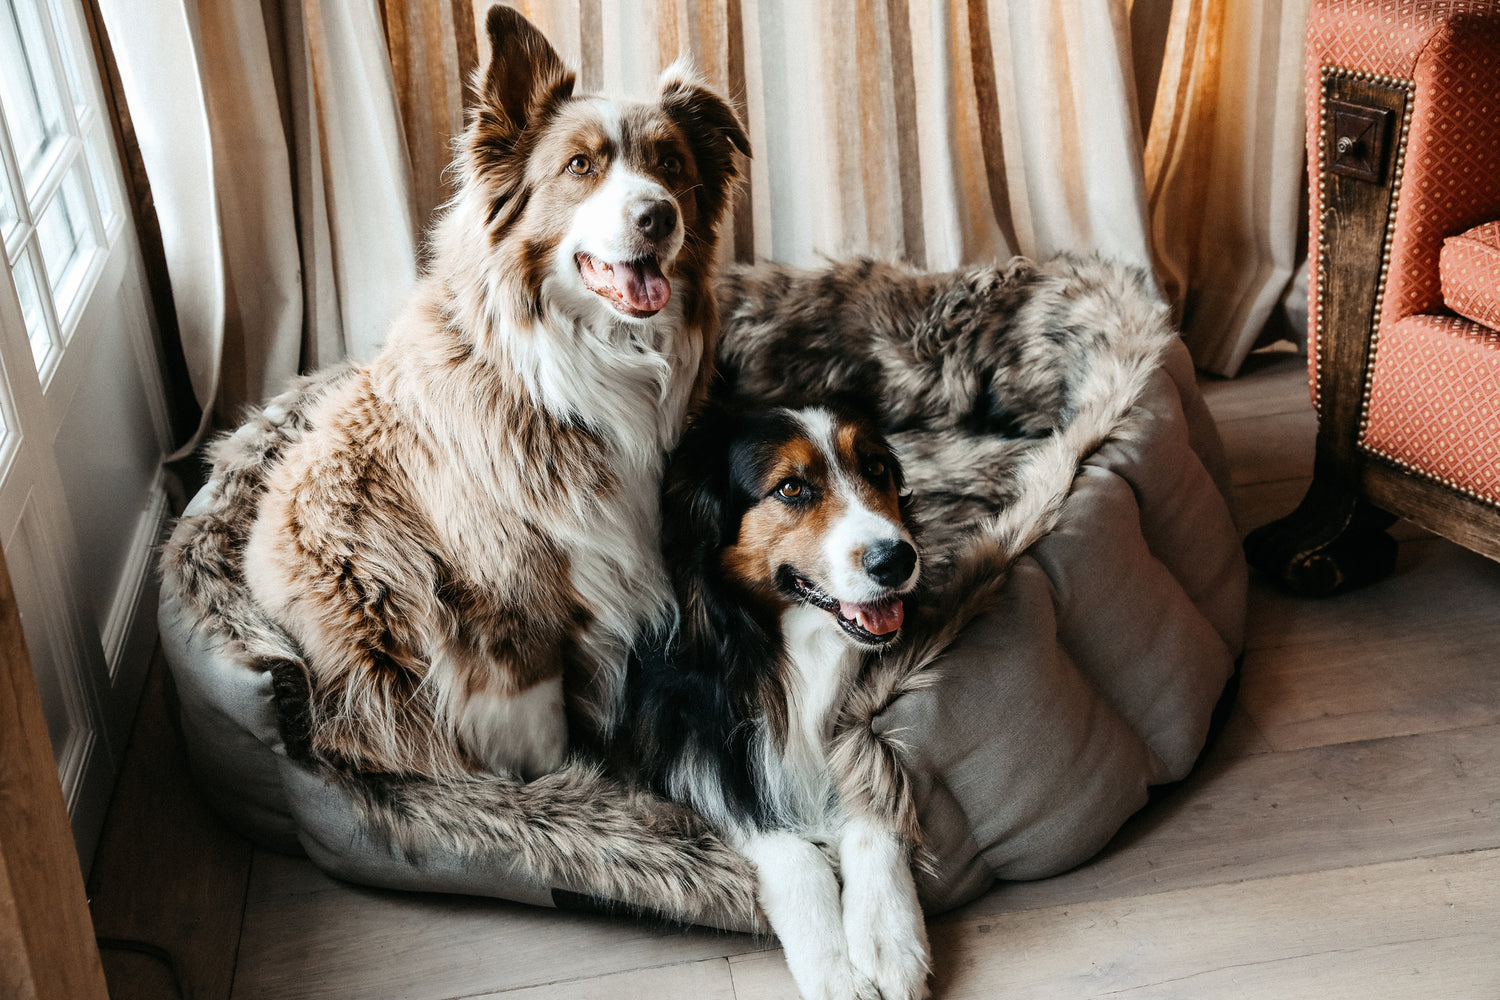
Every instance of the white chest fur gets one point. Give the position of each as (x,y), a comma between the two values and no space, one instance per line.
(629,380)
(821,664)
(630,383)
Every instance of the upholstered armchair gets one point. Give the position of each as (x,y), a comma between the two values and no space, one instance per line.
(1403,146)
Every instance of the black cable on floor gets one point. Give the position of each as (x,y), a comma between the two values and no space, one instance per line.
(150,950)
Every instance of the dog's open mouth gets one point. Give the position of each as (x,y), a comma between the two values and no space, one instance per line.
(873,624)
(635,287)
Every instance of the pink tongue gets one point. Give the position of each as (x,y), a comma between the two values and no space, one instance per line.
(641,285)
(876,619)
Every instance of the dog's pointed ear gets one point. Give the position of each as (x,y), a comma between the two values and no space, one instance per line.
(525,74)
(713,131)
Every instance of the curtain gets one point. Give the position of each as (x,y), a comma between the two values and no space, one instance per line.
(1225,163)
(295,148)
(277,165)
(941,132)
(931,131)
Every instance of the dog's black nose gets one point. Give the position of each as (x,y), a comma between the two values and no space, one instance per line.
(890,562)
(655,218)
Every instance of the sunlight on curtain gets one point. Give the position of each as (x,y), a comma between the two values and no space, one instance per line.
(275,153)
(1163,134)
(295,147)
(1224,163)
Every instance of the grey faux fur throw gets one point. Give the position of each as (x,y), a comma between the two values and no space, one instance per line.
(993,383)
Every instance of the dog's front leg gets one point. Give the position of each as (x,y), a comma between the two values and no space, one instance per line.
(521,732)
(883,923)
(800,896)
(525,733)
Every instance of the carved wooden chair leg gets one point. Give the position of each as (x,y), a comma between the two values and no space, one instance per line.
(1334,541)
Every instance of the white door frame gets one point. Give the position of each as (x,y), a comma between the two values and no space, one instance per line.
(82,493)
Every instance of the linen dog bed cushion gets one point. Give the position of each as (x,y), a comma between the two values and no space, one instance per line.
(1076,670)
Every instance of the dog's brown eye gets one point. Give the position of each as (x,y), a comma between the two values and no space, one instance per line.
(875,469)
(580,165)
(671,164)
(791,489)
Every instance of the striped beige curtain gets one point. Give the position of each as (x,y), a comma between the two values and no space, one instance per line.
(274,161)
(1225,164)
(1164,134)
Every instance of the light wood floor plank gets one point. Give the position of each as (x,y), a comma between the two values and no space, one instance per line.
(347,942)
(168,872)
(1415,930)
(1414,653)
(276,876)
(1241,736)
(1269,448)
(1326,693)
(1267,384)
(709,980)
(1241,818)
(1408,929)
(1267,424)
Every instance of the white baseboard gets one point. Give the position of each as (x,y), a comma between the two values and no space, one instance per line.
(129,632)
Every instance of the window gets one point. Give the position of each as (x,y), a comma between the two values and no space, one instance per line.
(83,423)
(53,210)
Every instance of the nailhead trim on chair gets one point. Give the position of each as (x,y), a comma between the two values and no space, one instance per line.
(1329,73)
(1387,80)
(1455,324)
(1393,37)
(1423,473)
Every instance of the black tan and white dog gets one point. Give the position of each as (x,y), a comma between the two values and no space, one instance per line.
(787,538)
(465,541)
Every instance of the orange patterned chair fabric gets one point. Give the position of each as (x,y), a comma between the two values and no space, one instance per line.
(1432,395)
(1470,267)
(1403,147)
(1435,400)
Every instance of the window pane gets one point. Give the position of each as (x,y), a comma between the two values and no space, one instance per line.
(66,239)
(28,89)
(102,194)
(69,60)
(7,209)
(37,329)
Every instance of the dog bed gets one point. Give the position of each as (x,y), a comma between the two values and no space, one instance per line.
(1075,650)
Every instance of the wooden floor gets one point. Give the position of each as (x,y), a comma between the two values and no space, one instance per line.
(1342,840)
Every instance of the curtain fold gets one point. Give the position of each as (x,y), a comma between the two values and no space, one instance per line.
(173,136)
(1225,163)
(276,155)
(296,147)
(1163,134)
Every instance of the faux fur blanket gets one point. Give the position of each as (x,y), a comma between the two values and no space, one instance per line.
(993,383)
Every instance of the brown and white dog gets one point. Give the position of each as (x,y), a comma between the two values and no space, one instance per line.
(465,542)
(787,536)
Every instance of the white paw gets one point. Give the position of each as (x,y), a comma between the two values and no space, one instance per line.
(883,925)
(835,979)
(889,948)
(542,749)
(800,896)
